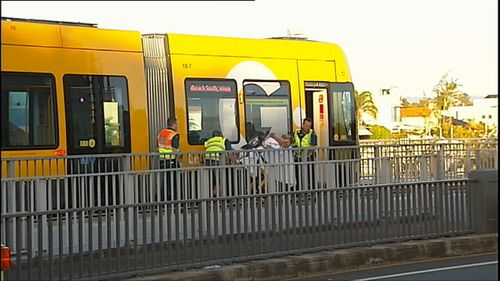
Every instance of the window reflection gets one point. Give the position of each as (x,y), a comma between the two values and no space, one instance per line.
(98,113)
(267,107)
(28,111)
(342,116)
(211,105)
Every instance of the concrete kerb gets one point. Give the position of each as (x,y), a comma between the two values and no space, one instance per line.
(339,260)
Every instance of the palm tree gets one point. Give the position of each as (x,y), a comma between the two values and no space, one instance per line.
(447,94)
(364,103)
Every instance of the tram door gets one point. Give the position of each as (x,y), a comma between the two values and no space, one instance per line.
(317,108)
(97,123)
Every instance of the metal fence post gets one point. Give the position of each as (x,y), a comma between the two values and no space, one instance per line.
(383,170)
(484,192)
(478,160)
(205,183)
(11,187)
(495,158)
(11,199)
(376,152)
(468,155)
(424,175)
(41,195)
(377,166)
(128,198)
(128,183)
(398,172)
(389,173)
(440,163)
(224,161)
(304,179)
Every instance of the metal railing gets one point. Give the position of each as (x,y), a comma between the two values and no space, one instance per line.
(54,183)
(124,240)
(112,215)
(368,142)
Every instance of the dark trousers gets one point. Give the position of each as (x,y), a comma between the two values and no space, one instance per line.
(307,179)
(284,187)
(216,175)
(168,179)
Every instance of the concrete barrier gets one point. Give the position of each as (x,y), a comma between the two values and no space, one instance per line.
(339,260)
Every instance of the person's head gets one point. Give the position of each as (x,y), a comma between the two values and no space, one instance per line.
(287,140)
(250,126)
(216,133)
(172,123)
(306,124)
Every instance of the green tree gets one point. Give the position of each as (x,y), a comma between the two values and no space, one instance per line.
(448,94)
(380,132)
(364,103)
(423,102)
(400,135)
(464,99)
(472,130)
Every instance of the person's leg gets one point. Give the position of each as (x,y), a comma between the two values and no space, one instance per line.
(298,169)
(214,175)
(228,182)
(217,178)
(170,185)
(311,179)
(175,176)
(162,180)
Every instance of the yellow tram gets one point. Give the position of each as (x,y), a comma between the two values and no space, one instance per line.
(76,89)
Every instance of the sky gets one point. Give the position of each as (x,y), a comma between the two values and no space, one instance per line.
(403,45)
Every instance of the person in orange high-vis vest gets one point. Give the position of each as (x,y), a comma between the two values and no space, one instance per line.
(168,144)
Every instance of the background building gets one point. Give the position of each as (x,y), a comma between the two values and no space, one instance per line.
(388,103)
(483,110)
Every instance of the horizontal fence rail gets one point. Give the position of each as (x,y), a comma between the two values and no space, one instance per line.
(100,216)
(53,183)
(114,241)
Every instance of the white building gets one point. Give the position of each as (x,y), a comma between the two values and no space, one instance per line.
(418,120)
(388,103)
(483,110)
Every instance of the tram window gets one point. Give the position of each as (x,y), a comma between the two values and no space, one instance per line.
(267,107)
(97,113)
(342,112)
(211,105)
(28,111)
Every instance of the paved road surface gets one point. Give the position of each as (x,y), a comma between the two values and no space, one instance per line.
(476,267)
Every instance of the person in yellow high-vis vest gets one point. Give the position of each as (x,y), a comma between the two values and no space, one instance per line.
(215,149)
(305,137)
(168,144)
